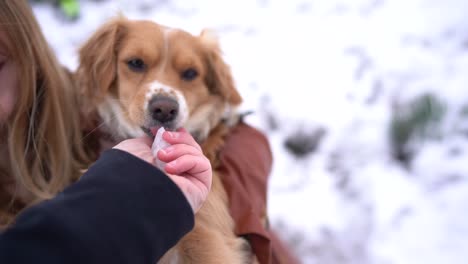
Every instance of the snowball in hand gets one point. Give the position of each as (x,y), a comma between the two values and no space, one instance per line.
(159,143)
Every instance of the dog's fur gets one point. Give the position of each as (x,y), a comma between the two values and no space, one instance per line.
(131,70)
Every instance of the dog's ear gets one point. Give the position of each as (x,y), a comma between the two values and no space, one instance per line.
(219,78)
(97,70)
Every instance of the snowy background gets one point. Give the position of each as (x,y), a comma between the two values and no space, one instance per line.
(365,103)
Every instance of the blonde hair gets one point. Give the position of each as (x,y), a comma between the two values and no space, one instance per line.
(44,136)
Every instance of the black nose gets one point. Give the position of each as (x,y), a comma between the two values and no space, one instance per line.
(163,109)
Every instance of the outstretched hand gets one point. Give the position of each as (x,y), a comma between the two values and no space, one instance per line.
(186,165)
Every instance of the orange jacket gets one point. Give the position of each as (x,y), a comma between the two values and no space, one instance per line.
(245,165)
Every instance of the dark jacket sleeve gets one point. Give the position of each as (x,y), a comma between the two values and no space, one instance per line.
(122,210)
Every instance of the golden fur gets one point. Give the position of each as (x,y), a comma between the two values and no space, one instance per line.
(124,68)
(41,148)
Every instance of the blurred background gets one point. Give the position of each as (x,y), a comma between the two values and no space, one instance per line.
(365,103)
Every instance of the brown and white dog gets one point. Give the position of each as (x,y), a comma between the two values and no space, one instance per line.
(137,76)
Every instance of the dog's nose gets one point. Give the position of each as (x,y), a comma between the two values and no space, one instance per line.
(163,109)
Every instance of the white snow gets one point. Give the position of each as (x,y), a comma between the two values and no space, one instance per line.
(341,65)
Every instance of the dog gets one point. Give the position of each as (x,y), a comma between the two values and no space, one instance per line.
(136,76)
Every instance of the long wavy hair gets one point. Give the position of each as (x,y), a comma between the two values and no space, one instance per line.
(43,135)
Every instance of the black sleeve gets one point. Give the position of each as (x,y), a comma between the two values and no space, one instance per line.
(122,210)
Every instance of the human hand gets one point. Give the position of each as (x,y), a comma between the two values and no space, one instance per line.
(139,147)
(187,166)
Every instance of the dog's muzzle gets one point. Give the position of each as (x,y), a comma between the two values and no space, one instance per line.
(163,109)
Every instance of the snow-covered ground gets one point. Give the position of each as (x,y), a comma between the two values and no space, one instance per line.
(339,67)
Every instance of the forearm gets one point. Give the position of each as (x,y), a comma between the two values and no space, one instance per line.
(122,210)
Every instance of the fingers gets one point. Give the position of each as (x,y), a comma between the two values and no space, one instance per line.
(173,152)
(189,165)
(180,137)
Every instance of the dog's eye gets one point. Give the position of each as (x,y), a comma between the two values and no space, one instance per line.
(189,74)
(136,65)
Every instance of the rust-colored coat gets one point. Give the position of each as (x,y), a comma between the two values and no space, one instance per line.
(245,164)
